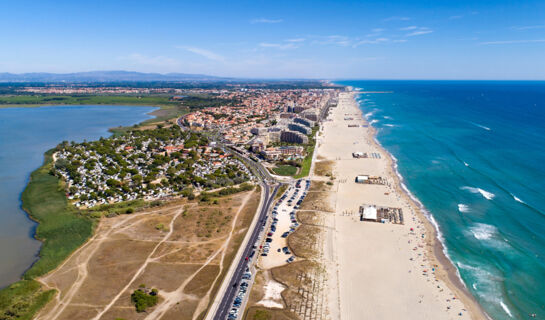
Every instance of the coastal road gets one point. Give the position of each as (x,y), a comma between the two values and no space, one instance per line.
(232,289)
(234,277)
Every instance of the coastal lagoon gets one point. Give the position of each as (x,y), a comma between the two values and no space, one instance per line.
(473,153)
(25,134)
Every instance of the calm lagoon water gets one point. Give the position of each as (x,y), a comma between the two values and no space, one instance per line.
(25,134)
(473,152)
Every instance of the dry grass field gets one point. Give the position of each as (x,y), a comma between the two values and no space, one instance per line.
(182,249)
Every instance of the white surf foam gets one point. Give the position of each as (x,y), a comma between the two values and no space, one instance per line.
(481,126)
(427,214)
(463,207)
(488,284)
(483,231)
(373,121)
(389,125)
(387,117)
(369,114)
(487,195)
(517,199)
(504,307)
(466,164)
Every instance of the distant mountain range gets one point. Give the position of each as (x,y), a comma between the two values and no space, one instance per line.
(104,76)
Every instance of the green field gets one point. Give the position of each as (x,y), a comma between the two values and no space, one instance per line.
(23,299)
(34,100)
(285,170)
(307,161)
(61,229)
(306,164)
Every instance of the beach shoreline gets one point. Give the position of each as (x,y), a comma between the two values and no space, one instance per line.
(388,246)
(450,274)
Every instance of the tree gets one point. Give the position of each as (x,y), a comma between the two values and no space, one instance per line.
(143,300)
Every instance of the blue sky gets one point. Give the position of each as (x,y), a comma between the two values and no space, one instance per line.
(279,39)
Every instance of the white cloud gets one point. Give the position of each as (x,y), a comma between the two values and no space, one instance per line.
(204,53)
(156,61)
(400,40)
(296,40)
(408,28)
(396,18)
(513,41)
(460,16)
(419,31)
(375,32)
(264,20)
(376,41)
(281,46)
(337,40)
(529,27)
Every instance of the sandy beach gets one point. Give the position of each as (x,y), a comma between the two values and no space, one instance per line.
(380,270)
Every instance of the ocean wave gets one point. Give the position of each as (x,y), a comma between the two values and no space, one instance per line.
(388,125)
(466,164)
(484,193)
(483,231)
(427,214)
(373,121)
(481,126)
(490,237)
(463,207)
(387,117)
(517,198)
(369,114)
(504,307)
(487,284)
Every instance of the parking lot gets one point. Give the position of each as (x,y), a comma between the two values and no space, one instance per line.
(274,251)
(272,246)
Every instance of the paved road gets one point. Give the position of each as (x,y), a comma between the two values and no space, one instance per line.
(230,293)
(267,182)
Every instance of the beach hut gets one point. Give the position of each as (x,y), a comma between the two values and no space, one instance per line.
(362,179)
(369,214)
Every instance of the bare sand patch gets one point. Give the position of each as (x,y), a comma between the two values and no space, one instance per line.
(272,295)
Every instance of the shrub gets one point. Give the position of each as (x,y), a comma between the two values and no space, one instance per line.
(143,300)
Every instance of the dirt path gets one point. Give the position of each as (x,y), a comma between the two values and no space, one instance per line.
(94,281)
(173,297)
(92,246)
(143,267)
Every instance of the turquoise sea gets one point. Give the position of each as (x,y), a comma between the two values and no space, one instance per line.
(473,153)
(25,134)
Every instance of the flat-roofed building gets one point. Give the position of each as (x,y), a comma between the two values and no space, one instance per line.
(304,121)
(299,128)
(293,137)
